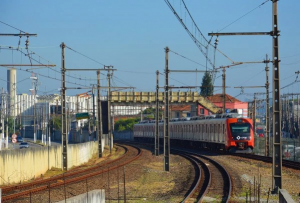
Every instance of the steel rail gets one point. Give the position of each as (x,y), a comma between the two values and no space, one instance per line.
(66,182)
(54,178)
(221,169)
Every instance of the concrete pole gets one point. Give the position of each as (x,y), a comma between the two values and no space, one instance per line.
(267,137)
(224,89)
(34,120)
(166,122)
(298,115)
(110,137)
(156,140)
(254,115)
(99,116)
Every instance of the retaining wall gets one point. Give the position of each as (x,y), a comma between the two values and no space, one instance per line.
(19,165)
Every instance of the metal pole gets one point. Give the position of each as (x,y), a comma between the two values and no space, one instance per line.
(124,184)
(267,137)
(298,115)
(293,117)
(63,108)
(277,145)
(166,123)
(110,138)
(99,129)
(254,115)
(224,89)
(94,116)
(156,140)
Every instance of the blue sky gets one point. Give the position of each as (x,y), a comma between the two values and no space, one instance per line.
(131,36)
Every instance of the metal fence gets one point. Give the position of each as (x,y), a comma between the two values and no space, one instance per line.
(290,147)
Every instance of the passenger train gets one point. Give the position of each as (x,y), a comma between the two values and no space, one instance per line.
(228,132)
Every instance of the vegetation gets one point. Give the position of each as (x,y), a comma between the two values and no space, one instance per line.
(150,113)
(13,126)
(55,122)
(207,88)
(126,124)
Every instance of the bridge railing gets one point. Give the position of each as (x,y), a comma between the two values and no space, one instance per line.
(175,97)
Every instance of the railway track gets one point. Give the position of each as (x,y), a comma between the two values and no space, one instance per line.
(211,180)
(285,163)
(24,192)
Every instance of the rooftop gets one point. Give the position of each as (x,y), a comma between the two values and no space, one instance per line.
(219,98)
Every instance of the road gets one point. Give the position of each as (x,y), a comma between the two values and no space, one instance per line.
(30,142)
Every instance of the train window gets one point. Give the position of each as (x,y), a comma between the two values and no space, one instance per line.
(223,128)
(192,129)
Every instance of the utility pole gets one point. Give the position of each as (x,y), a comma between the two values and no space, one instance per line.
(166,123)
(63,109)
(267,135)
(254,115)
(156,149)
(94,119)
(99,129)
(277,145)
(298,116)
(224,89)
(110,137)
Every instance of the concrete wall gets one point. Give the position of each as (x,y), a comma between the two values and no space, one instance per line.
(24,164)
(94,196)
(128,135)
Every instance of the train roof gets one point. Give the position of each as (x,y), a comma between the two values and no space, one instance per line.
(201,117)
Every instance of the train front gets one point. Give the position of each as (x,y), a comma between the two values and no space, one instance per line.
(240,135)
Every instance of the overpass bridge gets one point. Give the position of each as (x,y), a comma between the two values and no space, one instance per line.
(175,98)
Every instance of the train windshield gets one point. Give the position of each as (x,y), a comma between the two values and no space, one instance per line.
(240,131)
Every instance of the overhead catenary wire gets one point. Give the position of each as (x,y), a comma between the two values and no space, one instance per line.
(244,15)
(12,26)
(84,55)
(187,58)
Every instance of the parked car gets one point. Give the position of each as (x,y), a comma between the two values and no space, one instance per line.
(297,151)
(19,139)
(288,151)
(24,145)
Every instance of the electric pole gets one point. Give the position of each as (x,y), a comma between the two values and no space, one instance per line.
(166,122)
(156,139)
(99,129)
(110,137)
(63,109)
(267,133)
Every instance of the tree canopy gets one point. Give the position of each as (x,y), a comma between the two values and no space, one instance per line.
(126,124)
(207,88)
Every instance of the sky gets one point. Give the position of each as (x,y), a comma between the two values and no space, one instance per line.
(132,36)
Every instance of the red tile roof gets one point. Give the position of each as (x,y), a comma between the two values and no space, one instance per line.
(180,108)
(219,98)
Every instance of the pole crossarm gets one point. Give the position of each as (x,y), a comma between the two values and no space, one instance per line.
(12,65)
(102,87)
(89,69)
(251,87)
(18,35)
(192,71)
(240,33)
(191,87)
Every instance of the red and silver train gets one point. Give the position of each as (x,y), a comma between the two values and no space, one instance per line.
(229,132)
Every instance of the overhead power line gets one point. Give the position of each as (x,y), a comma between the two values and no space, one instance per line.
(243,15)
(12,26)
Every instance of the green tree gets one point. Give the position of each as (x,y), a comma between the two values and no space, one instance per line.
(12,125)
(150,113)
(207,88)
(125,124)
(55,122)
